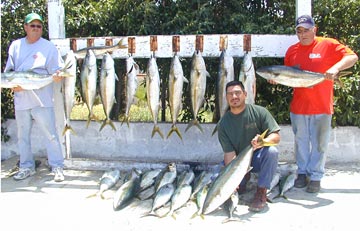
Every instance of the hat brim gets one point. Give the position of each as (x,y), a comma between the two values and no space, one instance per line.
(305,25)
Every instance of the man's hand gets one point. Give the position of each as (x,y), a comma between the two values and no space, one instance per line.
(17,89)
(331,73)
(57,78)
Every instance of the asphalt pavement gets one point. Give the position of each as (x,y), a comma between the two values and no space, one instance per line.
(39,203)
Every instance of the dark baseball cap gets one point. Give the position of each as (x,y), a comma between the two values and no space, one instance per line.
(305,21)
(33,16)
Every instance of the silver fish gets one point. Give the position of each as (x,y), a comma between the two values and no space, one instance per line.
(203,179)
(230,206)
(286,184)
(200,199)
(28,80)
(168,175)
(148,178)
(275,181)
(152,93)
(107,87)
(132,70)
(186,177)
(179,198)
(227,181)
(198,77)
(163,196)
(290,76)
(176,81)
(225,75)
(68,89)
(88,77)
(107,181)
(126,192)
(248,78)
(99,50)
(146,193)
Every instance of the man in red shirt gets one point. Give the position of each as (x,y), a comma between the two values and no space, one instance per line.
(311,108)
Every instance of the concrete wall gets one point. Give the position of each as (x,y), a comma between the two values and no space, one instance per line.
(135,144)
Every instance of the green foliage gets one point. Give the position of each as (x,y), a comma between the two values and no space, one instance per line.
(335,18)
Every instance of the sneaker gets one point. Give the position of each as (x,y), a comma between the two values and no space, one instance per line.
(300,181)
(24,173)
(59,175)
(313,186)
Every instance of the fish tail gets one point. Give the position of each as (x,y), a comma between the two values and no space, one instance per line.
(126,119)
(68,128)
(121,45)
(156,129)
(192,123)
(174,129)
(108,121)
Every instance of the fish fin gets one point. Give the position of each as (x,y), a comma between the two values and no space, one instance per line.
(196,123)
(68,128)
(174,129)
(121,45)
(156,129)
(108,121)
(126,119)
(185,79)
(92,195)
(194,215)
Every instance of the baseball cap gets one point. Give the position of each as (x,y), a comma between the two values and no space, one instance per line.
(305,21)
(33,16)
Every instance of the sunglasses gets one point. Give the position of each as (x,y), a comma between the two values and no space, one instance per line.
(37,26)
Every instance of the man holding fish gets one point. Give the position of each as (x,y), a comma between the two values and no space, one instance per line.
(311,108)
(240,127)
(34,53)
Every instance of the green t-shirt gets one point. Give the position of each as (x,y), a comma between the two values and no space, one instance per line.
(235,132)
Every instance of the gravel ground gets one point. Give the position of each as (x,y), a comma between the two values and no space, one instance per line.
(39,203)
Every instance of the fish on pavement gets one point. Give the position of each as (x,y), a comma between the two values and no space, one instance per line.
(230,206)
(88,77)
(167,175)
(290,76)
(107,181)
(185,177)
(68,89)
(286,183)
(132,70)
(179,198)
(127,191)
(200,197)
(162,196)
(228,180)
(153,93)
(248,78)
(204,178)
(148,178)
(176,81)
(100,50)
(198,77)
(225,75)
(107,87)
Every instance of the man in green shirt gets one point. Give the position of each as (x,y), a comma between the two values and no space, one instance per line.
(241,126)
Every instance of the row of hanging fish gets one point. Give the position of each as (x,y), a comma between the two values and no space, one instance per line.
(198,76)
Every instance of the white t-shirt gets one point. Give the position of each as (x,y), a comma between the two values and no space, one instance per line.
(41,57)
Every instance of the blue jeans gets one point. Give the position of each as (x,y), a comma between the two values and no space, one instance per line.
(264,162)
(45,118)
(312,135)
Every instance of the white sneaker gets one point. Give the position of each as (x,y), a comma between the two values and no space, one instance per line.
(24,173)
(59,175)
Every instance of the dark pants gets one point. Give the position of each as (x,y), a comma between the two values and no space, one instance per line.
(264,162)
